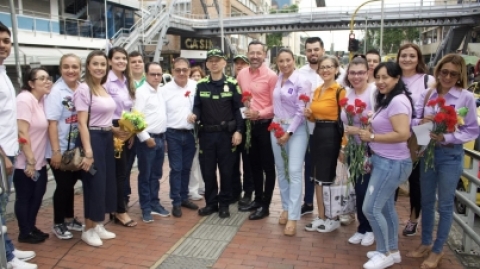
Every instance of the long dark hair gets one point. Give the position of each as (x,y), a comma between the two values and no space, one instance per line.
(394,71)
(88,76)
(126,73)
(421,67)
(29,76)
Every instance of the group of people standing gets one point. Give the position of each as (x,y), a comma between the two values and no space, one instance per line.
(207,124)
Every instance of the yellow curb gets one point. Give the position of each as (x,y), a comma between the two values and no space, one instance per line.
(177,244)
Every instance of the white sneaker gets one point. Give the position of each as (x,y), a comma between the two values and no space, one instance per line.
(201,191)
(15,263)
(397,258)
(346,220)
(103,233)
(195,197)
(24,255)
(314,225)
(328,226)
(368,239)
(379,261)
(91,238)
(356,238)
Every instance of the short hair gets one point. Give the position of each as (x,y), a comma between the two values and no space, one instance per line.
(68,55)
(4,28)
(197,69)
(456,60)
(181,59)
(147,66)
(312,40)
(374,51)
(355,61)
(257,42)
(30,76)
(334,60)
(134,54)
(421,66)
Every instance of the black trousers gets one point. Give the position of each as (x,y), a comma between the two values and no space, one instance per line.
(216,150)
(247,186)
(262,162)
(415,192)
(121,175)
(63,197)
(29,195)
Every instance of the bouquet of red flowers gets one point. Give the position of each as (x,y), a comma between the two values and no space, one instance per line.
(246,99)
(279,132)
(356,153)
(445,120)
(305,99)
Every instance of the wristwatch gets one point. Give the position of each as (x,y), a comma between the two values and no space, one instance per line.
(372,136)
(290,133)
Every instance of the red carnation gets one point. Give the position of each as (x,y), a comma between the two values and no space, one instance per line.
(343,102)
(364,120)
(22,141)
(246,96)
(350,109)
(273,126)
(359,110)
(439,117)
(279,133)
(304,98)
(187,93)
(358,103)
(364,105)
(441,101)
(432,103)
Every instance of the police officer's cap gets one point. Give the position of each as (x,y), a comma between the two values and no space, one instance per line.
(215,53)
(242,57)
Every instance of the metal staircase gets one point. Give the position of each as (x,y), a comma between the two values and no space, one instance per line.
(451,42)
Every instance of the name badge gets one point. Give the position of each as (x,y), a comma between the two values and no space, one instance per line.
(215,97)
(226,94)
(205,94)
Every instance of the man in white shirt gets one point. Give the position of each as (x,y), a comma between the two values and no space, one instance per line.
(179,96)
(150,143)
(9,144)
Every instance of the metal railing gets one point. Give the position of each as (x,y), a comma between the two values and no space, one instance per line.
(3,191)
(468,198)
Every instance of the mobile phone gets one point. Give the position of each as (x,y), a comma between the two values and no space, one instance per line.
(35,176)
(92,170)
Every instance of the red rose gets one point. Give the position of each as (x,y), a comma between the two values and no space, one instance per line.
(304,98)
(187,94)
(343,102)
(350,109)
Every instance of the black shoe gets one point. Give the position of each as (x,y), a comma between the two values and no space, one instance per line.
(177,211)
(246,199)
(235,199)
(208,210)
(38,233)
(188,204)
(260,213)
(306,209)
(224,213)
(31,239)
(252,206)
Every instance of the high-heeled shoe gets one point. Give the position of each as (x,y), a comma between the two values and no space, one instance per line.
(130,223)
(420,252)
(283,218)
(290,228)
(426,265)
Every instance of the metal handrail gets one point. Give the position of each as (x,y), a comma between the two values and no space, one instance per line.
(3,188)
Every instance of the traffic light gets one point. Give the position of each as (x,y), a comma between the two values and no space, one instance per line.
(353,43)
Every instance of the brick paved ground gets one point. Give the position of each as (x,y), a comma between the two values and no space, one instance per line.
(257,245)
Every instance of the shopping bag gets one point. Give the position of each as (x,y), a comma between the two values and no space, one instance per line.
(339,198)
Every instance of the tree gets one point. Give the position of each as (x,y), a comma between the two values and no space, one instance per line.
(275,39)
(393,38)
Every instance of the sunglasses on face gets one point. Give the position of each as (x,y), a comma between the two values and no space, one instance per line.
(446,72)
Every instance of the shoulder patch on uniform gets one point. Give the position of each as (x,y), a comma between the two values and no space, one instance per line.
(205,79)
(231,80)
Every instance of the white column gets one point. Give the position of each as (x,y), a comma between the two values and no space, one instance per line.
(20,6)
(54,9)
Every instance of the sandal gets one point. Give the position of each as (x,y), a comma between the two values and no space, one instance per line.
(426,265)
(420,252)
(290,228)
(130,223)
(283,218)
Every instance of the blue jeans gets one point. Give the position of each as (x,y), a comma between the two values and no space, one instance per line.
(291,187)
(309,184)
(9,248)
(181,150)
(378,206)
(150,164)
(442,180)
(361,186)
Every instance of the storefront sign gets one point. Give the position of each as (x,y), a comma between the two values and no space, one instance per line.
(199,43)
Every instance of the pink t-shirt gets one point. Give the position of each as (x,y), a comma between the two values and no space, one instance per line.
(102,109)
(381,125)
(31,110)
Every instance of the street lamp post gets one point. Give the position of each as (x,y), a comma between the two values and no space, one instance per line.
(365,37)
(15,41)
(381,28)
(352,21)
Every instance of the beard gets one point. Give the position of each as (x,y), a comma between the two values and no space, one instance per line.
(313,61)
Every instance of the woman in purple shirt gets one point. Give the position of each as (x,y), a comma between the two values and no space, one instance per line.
(288,112)
(121,87)
(414,76)
(451,76)
(359,88)
(387,137)
(95,109)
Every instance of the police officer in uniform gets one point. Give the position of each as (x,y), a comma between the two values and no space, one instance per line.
(217,109)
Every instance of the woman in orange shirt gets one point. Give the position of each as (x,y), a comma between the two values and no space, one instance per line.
(327,137)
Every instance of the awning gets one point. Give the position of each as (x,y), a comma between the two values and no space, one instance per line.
(43,56)
(474,48)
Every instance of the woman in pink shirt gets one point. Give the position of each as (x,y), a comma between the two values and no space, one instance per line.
(95,109)
(30,176)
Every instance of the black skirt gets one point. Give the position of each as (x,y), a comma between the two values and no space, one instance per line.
(325,147)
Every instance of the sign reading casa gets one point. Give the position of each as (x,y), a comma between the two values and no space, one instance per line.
(196,43)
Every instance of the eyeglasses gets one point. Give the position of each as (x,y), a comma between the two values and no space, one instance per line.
(359,73)
(326,67)
(155,74)
(43,78)
(446,72)
(180,70)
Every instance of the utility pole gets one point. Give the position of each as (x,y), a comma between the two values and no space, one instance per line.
(381,28)
(15,42)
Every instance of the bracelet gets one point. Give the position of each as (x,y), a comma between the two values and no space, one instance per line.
(91,157)
(31,163)
(55,152)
